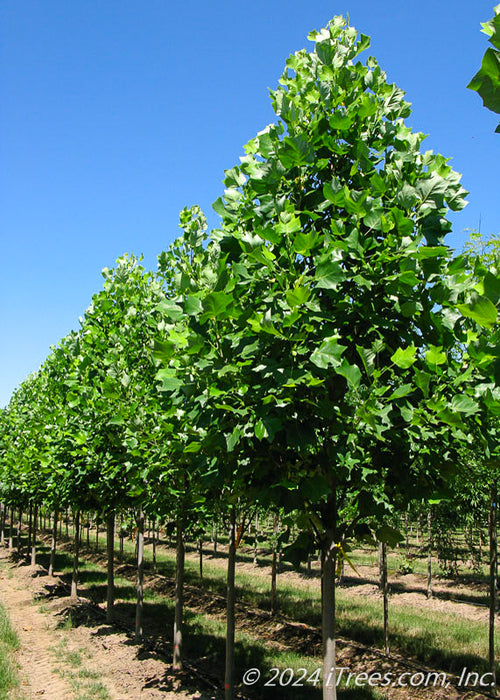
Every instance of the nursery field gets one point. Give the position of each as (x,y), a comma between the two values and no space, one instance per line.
(65,649)
(270,468)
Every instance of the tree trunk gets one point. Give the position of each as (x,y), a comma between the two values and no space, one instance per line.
(53,545)
(274,566)
(384,589)
(255,540)
(179,596)
(154,546)
(33,544)
(19,524)
(230,603)
(11,528)
(121,542)
(110,549)
(30,527)
(329,565)
(200,552)
(140,577)
(97,534)
(88,531)
(2,524)
(407,536)
(67,522)
(493,583)
(74,577)
(429,553)
(342,573)
(215,539)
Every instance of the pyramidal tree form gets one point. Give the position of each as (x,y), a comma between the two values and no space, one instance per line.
(336,299)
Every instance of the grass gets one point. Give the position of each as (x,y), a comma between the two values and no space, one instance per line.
(442,640)
(84,682)
(9,644)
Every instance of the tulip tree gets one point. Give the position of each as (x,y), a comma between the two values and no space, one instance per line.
(117,396)
(486,82)
(479,330)
(324,306)
(199,383)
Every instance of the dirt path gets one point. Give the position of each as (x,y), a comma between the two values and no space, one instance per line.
(93,661)
(60,662)
(37,661)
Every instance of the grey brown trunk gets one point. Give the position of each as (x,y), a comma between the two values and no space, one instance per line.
(493,584)
(33,543)
(328,616)
(110,550)
(230,604)
(53,545)
(74,577)
(429,553)
(179,596)
(384,589)
(140,577)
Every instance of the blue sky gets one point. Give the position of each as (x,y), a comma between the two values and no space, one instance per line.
(116,115)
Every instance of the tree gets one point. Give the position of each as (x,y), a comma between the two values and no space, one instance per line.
(319,330)
(487,80)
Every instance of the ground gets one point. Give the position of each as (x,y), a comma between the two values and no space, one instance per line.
(60,662)
(68,652)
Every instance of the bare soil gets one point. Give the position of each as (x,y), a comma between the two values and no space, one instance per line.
(38,606)
(126,670)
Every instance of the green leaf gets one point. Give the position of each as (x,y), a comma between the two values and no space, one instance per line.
(481,310)
(328,354)
(401,391)
(303,242)
(491,285)
(409,308)
(215,304)
(328,275)
(169,380)
(192,305)
(233,439)
(170,309)
(422,380)
(297,296)
(118,419)
(288,225)
(351,372)
(464,404)
(389,535)
(435,356)
(368,358)
(404,358)
(192,447)
(260,430)
(163,351)
(487,80)
(342,122)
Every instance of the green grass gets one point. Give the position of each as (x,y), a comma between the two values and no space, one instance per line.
(443,640)
(84,682)
(9,643)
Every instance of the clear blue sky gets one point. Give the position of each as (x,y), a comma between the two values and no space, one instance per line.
(116,115)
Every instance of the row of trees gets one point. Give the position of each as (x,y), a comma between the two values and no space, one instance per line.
(322,353)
